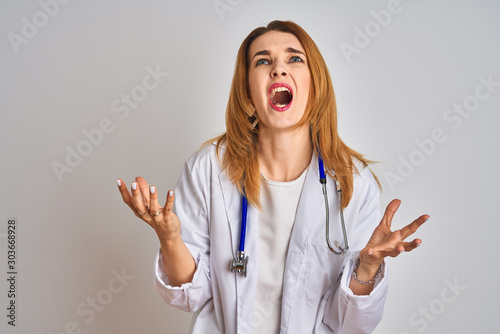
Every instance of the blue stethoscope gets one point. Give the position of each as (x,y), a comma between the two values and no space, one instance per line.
(239,262)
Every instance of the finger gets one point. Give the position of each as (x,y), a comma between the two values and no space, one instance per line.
(125,193)
(144,189)
(169,203)
(390,211)
(137,202)
(154,207)
(413,226)
(409,246)
(122,187)
(392,252)
(382,253)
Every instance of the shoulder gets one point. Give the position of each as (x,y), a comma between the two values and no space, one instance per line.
(200,170)
(365,183)
(206,158)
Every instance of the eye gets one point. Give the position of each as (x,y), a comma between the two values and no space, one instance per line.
(295,59)
(262,61)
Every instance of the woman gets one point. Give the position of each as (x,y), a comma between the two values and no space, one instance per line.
(281,116)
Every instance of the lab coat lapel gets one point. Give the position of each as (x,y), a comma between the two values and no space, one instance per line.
(232,205)
(311,204)
(310,210)
(245,286)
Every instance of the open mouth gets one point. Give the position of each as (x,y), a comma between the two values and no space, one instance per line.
(280,96)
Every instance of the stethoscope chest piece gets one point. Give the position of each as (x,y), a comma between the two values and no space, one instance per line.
(239,263)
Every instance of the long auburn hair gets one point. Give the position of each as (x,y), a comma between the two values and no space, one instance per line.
(240,159)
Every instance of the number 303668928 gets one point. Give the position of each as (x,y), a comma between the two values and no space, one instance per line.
(11,236)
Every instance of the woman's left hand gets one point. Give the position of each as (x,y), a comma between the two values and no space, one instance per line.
(385,242)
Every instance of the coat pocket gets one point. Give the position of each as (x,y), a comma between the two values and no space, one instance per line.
(322,270)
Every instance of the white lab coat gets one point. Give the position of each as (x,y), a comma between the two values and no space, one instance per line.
(316,294)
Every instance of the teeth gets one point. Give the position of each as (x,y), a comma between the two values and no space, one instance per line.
(278,89)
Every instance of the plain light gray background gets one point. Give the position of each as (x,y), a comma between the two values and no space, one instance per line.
(396,93)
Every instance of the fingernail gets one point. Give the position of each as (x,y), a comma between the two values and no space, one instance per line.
(152,189)
(420,244)
(170,193)
(118,182)
(134,185)
(401,251)
(427,219)
(370,252)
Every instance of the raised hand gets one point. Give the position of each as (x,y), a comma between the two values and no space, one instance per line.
(178,263)
(385,242)
(144,203)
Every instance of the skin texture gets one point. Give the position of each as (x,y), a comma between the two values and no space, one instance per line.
(284,153)
(279,65)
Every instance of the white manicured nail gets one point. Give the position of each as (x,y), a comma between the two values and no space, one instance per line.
(152,189)
(118,182)
(134,185)
(170,193)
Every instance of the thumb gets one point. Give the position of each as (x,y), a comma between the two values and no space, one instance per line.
(370,256)
(169,203)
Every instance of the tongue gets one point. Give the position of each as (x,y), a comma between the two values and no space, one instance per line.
(282,98)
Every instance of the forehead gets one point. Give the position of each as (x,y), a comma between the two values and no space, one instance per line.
(275,41)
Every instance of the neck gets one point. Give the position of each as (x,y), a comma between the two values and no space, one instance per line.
(283,156)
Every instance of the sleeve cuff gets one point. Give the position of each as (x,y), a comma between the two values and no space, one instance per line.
(162,279)
(378,290)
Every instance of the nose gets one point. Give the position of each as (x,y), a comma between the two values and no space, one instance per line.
(279,70)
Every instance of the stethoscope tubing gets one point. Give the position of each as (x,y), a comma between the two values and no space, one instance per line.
(239,262)
(322,179)
(244,209)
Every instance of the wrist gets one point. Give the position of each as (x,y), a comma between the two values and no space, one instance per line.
(172,243)
(364,273)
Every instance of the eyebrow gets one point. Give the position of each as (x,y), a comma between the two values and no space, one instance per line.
(266,52)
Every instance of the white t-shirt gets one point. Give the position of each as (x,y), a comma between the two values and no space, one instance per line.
(279,206)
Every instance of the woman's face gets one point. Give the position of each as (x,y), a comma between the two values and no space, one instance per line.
(279,80)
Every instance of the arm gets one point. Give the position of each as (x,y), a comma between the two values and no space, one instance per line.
(358,308)
(178,262)
(348,311)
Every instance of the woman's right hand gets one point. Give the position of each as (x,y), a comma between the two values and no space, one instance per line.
(178,262)
(144,203)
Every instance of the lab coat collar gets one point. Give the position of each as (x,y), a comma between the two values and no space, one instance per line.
(311,200)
